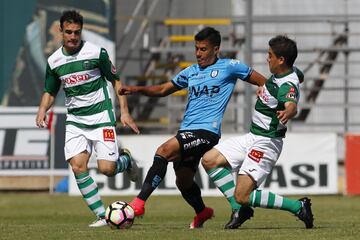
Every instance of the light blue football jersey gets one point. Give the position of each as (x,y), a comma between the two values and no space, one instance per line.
(210,89)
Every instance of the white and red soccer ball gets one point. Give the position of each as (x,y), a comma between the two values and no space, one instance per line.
(119,215)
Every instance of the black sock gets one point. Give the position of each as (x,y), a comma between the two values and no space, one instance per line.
(193,197)
(154,177)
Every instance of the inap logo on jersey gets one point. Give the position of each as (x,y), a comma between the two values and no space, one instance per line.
(109,135)
(214,73)
(255,155)
(209,91)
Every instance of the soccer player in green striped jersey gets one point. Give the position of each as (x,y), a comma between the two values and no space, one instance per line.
(253,155)
(83,70)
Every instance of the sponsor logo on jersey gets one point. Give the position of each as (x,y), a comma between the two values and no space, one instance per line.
(180,80)
(73,79)
(291,95)
(209,91)
(255,155)
(71,59)
(264,96)
(234,61)
(109,135)
(214,73)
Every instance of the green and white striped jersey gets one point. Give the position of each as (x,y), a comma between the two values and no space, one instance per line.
(83,76)
(277,90)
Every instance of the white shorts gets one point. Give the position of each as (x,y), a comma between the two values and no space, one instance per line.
(251,154)
(102,139)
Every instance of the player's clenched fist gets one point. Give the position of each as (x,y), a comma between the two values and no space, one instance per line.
(127,90)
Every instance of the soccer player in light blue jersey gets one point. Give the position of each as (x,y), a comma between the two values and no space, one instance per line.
(210,84)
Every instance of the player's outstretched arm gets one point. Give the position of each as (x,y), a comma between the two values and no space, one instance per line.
(256,78)
(125,117)
(47,100)
(161,90)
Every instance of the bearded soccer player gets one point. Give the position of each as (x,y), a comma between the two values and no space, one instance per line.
(83,69)
(255,154)
(210,84)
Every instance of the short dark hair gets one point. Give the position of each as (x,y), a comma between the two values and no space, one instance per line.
(210,34)
(71,16)
(282,46)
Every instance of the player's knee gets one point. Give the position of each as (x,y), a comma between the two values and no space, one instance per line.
(208,161)
(164,151)
(78,169)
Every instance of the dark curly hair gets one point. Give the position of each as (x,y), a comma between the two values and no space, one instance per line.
(71,16)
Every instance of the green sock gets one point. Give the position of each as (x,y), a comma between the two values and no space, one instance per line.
(266,199)
(89,191)
(224,181)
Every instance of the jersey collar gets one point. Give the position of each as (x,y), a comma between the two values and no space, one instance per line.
(210,64)
(291,70)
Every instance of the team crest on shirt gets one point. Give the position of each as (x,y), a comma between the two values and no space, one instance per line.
(214,73)
(109,135)
(87,65)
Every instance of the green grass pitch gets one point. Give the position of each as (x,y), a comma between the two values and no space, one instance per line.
(41,216)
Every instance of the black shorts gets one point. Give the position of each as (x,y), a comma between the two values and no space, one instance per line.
(193,145)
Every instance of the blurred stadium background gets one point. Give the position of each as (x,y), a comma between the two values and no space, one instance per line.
(151,40)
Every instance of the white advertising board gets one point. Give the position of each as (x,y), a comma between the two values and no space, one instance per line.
(308,165)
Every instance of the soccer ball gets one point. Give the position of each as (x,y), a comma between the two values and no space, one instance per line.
(119,215)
